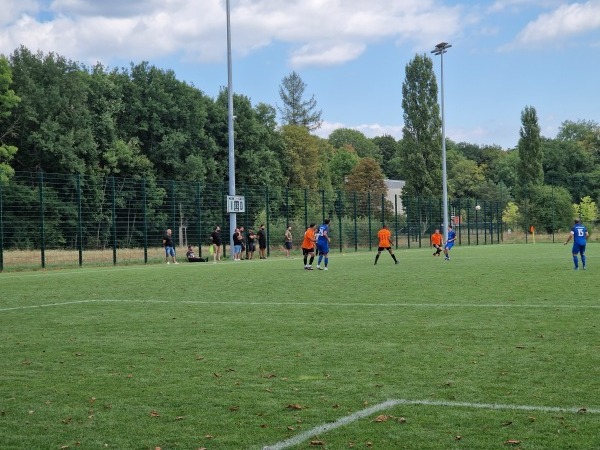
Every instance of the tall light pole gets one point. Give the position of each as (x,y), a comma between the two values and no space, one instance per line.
(440,49)
(232,215)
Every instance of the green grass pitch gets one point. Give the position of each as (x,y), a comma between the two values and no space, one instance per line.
(497,348)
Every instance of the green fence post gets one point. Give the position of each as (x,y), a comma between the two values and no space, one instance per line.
(305,208)
(287,206)
(114,218)
(369,218)
(339,213)
(79,222)
(1,230)
(396,219)
(42,228)
(323,205)
(199,200)
(145,214)
(268,220)
(355,223)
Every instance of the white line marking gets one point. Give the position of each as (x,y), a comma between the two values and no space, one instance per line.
(298,439)
(303,304)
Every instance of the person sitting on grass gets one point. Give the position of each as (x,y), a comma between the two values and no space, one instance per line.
(191,256)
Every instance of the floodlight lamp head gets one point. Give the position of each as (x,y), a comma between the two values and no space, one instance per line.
(441,48)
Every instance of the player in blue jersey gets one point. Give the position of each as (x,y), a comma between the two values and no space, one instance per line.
(579,233)
(449,242)
(323,244)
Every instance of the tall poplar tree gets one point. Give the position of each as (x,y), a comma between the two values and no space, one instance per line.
(530,172)
(422,142)
(296,110)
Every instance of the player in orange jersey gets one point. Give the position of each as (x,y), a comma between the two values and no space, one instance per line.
(436,242)
(308,246)
(385,243)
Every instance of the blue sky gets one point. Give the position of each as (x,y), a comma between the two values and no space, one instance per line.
(352,54)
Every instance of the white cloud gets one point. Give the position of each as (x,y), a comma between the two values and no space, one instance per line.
(563,22)
(318,32)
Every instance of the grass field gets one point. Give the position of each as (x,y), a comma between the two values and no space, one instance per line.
(498,348)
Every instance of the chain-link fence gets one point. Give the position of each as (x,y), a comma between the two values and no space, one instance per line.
(50,220)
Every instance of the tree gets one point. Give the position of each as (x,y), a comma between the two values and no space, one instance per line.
(421,143)
(342,162)
(300,157)
(587,210)
(530,170)
(8,100)
(363,146)
(367,177)
(296,110)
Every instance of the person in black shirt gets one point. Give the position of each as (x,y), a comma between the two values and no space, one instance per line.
(169,247)
(262,242)
(217,243)
(251,247)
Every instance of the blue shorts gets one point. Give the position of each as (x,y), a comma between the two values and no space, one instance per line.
(578,248)
(169,251)
(237,248)
(323,248)
(449,245)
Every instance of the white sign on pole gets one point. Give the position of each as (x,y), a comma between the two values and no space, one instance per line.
(236,204)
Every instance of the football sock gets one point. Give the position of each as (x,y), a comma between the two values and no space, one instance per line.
(305,259)
(394,256)
(319,260)
(376,258)
(326,261)
(576,261)
(583,260)
(312,258)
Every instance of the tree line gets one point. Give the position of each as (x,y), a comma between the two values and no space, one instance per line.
(141,122)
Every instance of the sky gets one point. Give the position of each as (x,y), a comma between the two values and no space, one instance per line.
(351,54)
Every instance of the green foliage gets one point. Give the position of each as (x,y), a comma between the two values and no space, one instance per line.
(586,210)
(368,178)
(364,147)
(300,159)
(547,208)
(343,161)
(422,143)
(511,216)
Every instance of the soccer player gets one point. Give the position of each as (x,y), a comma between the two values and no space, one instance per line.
(323,244)
(436,242)
(308,246)
(579,233)
(449,242)
(385,243)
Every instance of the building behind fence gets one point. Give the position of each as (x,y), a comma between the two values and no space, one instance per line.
(50,220)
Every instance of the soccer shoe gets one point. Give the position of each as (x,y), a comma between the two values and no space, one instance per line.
(319,267)
(168,262)
(375,263)
(325,268)
(309,268)
(447,259)
(397,262)
(175,263)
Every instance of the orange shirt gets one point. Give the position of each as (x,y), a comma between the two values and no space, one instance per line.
(436,239)
(309,239)
(385,237)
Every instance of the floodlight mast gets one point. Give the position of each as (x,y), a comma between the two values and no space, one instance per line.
(232,215)
(440,49)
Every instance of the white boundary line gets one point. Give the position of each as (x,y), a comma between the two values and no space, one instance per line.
(304,304)
(298,439)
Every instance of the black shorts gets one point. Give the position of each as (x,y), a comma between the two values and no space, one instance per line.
(252,247)
(287,245)
(307,251)
(380,249)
